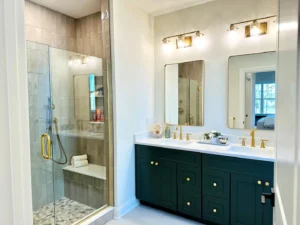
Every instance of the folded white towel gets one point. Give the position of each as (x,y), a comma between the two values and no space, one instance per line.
(78,158)
(80,163)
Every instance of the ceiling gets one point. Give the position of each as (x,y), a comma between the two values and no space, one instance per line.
(73,8)
(159,7)
(81,8)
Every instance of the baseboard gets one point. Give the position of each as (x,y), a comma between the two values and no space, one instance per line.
(125,208)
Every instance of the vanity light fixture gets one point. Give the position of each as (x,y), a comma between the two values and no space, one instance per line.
(184,40)
(78,60)
(256,28)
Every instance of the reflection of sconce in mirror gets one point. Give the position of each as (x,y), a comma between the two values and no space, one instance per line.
(78,60)
(256,28)
(183,40)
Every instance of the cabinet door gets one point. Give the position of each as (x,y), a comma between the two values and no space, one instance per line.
(147,180)
(167,184)
(246,207)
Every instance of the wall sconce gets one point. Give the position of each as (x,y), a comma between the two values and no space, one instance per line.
(183,40)
(256,28)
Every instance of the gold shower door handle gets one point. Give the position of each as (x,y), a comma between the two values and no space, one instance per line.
(48,156)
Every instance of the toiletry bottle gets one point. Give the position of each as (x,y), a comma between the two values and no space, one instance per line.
(168,131)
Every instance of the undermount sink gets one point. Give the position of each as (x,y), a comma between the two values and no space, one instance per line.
(247,149)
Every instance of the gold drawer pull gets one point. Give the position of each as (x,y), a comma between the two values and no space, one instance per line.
(156,164)
(215,210)
(188,179)
(259,182)
(267,184)
(188,203)
(152,162)
(215,184)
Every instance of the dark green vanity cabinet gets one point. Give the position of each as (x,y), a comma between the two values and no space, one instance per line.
(238,184)
(209,188)
(170,179)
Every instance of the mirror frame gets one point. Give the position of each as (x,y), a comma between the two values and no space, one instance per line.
(202,86)
(275,68)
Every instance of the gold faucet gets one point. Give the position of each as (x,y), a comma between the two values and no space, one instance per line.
(180,135)
(252,133)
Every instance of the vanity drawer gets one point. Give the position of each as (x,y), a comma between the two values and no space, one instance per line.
(189,205)
(247,167)
(190,158)
(216,210)
(216,183)
(189,179)
(149,152)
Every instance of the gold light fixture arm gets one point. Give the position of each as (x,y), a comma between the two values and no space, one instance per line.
(248,21)
(178,35)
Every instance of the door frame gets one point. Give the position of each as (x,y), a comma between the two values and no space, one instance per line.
(15,114)
(242,85)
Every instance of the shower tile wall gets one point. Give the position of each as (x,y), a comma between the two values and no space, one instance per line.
(84,35)
(49,27)
(39,92)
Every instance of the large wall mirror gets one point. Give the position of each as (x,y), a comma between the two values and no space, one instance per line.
(252,91)
(184,93)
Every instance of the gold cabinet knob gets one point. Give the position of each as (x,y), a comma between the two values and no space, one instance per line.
(214,210)
(215,184)
(188,179)
(259,182)
(152,162)
(188,203)
(267,184)
(156,164)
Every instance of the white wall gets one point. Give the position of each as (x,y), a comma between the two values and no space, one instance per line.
(212,19)
(15,191)
(133,69)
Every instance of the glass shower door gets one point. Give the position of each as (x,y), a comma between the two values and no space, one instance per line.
(39,91)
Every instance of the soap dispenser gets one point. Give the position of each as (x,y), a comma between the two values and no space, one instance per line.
(168,131)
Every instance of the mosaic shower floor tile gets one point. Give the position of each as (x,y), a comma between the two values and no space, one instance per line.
(67,212)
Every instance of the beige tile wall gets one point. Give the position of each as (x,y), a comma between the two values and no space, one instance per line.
(49,27)
(52,28)
(89,35)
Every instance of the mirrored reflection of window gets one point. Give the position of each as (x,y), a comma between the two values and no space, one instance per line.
(265,98)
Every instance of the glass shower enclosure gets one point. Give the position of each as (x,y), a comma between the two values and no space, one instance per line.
(69,84)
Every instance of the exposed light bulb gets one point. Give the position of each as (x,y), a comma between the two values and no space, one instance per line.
(166,45)
(180,42)
(77,61)
(199,40)
(255,31)
(232,31)
(70,63)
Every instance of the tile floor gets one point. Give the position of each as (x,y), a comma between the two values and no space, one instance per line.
(67,212)
(143,215)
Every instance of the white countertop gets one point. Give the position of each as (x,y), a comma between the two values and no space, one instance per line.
(232,150)
(90,170)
